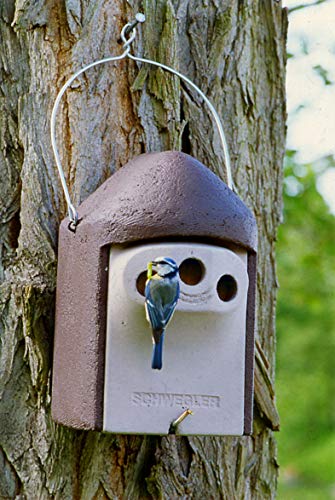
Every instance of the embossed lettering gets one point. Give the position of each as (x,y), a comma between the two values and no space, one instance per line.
(166,400)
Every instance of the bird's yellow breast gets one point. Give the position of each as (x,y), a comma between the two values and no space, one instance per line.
(156,277)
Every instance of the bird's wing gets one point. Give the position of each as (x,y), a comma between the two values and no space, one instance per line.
(154,310)
(155,319)
(169,308)
(154,314)
(168,312)
(159,306)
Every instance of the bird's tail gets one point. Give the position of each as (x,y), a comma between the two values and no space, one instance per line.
(157,353)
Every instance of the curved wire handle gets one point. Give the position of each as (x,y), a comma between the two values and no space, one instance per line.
(129,28)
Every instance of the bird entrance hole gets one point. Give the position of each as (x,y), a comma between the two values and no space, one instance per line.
(140,282)
(191,271)
(226,288)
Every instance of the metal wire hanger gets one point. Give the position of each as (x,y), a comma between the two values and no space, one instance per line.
(128,29)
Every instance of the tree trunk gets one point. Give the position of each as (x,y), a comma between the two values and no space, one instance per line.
(235,52)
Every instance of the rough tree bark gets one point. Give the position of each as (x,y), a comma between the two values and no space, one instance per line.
(235,52)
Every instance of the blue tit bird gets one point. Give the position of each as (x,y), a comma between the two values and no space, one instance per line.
(161,297)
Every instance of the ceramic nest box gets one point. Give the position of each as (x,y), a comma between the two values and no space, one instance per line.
(159,204)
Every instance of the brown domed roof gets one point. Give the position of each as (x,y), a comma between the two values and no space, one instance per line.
(168,195)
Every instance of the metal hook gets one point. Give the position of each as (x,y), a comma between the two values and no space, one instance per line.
(126,30)
(139,18)
(129,27)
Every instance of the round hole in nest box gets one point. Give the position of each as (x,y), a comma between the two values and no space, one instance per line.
(140,282)
(191,271)
(226,288)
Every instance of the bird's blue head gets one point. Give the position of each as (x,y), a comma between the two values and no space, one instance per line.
(165,267)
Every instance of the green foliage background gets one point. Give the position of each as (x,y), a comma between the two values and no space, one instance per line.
(306,336)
